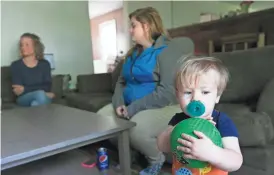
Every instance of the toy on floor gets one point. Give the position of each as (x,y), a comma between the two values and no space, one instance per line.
(195,109)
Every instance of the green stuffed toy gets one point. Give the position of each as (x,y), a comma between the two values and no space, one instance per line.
(194,110)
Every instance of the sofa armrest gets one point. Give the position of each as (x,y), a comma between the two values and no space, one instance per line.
(255,129)
(57,85)
(266,100)
(94,83)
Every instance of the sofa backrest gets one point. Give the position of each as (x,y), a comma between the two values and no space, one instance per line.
(94,83)
(250,71)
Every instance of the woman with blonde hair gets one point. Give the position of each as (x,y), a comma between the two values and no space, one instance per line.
(146,83)
(31,76)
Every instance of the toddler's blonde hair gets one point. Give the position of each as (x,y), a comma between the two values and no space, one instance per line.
(192,67)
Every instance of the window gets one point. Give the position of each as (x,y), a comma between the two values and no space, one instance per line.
(107,35)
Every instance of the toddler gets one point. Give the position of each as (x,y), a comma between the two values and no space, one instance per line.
(203,79)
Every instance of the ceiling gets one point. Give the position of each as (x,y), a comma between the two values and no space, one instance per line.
(100,7)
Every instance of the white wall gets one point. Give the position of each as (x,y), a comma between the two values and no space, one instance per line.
(163,7)
(257,6)
(97,8)
(63,26)
(181,13)
(187,12)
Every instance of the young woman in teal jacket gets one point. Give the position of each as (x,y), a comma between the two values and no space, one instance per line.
(146,82)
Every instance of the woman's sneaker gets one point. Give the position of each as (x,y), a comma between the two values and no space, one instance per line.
(154,169)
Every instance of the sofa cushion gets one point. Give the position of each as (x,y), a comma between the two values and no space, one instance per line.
(233,109)
(8,105)
(88,101)
(255,124)
(266,100)
(250,70)
(61,101)
(248,170)
(259,157)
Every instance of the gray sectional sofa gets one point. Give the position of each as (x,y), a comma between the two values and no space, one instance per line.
(248,100)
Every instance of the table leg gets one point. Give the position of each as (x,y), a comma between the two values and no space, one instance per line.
(124,152)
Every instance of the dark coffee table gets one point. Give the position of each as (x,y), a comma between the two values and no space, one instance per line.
(30,134)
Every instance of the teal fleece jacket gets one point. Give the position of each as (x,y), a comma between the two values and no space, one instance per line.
(164,71)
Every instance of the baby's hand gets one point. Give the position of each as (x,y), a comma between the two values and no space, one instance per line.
(210,119)
(196,148)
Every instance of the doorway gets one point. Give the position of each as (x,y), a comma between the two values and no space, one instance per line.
(108,34)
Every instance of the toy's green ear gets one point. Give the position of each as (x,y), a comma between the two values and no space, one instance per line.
(195,109)
(187,127)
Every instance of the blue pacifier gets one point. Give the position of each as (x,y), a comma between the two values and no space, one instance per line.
(195,109)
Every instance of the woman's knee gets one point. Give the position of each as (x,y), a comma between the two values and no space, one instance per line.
(40,98)
(23,101)
(107,110)
(138,136)
(149,124)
